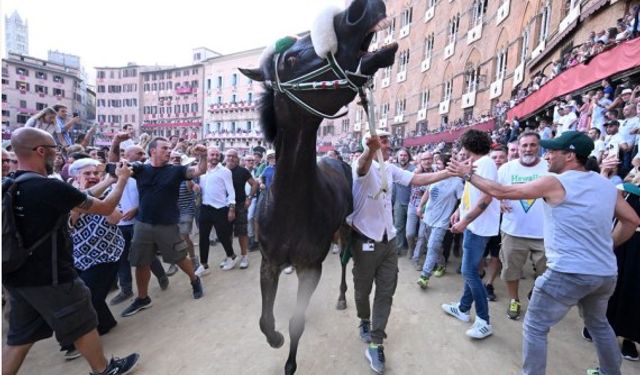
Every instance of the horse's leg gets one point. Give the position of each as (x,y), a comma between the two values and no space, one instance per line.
(307,282)
(345,242)
(269,274)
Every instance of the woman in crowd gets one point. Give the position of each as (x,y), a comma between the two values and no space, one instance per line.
(45,120)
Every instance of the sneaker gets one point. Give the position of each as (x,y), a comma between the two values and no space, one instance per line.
(137,305)
(229,263)
(585,334)
(197,288)
(513,312)
(172,270)
(72,354)
(416,264)
(120,297)
(423,281)
(120,366)
(288,270)
(164,282)
(203,270)
(439,272)
(453,309)
(629,350)
(365,331)
(491,294)
(335,249)
(244,262)
(480,329)
(593,371)
(195,261)
(375,355)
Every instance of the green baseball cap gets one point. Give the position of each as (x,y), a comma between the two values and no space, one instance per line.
(572,141)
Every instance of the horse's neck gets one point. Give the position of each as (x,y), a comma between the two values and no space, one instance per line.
(296,168)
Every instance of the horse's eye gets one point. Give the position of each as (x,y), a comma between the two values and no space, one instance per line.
(291,61)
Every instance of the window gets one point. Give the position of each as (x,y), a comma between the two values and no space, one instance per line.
(23,104)
(4,98)
(545,21)
(447,89)
(101,88)
(22,72)
(58,92)
(454,25)
(472,78)
(41,75)
(22,119)
(194,107)
(208,83)
(169,74)
(58,79)
(424,99)
(233,98)
(401,106)
(501,64)
(22,86)
(431,3)
(176,108)
(384,110)
(524,46)
(154,87)
(234,79)
(162,86)
(386,72)
(249,97)
(195,84)
(219,101)
(391,28)
(345,125)
(406,17)
(194,71)
(185,108)
(403,61)
(146,87)
(169,85)
(479,9)
(41,89)
(428,46)
(219,86)
(249,126)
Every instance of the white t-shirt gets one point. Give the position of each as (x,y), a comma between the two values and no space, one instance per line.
(627,126)
(527,215)
(488,223)
(129,200)
(598,148)
(373,217)
(566,122)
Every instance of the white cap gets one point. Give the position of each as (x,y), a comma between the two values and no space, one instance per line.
(379,133)
(80,164)
(271,152)
(626,91)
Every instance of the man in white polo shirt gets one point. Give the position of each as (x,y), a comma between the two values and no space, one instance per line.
(522,219)
(375,256)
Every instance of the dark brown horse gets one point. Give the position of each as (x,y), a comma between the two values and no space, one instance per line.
(308,201)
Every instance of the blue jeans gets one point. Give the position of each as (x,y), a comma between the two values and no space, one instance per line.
(423,234)
(554,294)
(413,222)
(400,222)
(124,267)
(434,250)
(473,248)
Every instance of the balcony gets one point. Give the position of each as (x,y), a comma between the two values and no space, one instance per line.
(404,31)
(449,49)
(422,114)
(425,64)
(475,33)
(468,99)
(443,107)
(397,119)
(428,15)
(495,89)
(503,12)
(518,75)
(401,76)
(184,90)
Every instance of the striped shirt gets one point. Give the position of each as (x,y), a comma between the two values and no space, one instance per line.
(186,200)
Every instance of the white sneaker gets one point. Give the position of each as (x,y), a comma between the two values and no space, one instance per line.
(244,262)
(202,271)
(288,270)
(453,309)
(480,329)
(230,264)
(335,248)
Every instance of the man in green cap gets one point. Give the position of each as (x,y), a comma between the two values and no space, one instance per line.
(581,266)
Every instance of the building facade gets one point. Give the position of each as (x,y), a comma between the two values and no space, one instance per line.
(461,60)
(231,117)
(29,85)
(16,35)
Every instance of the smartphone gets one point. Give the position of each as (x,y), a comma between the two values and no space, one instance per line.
(76,114)
(613,149)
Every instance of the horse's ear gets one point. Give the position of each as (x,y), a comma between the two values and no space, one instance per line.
(254,74)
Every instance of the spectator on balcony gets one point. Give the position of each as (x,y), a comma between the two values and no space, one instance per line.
(45,120)
(64,124)
(567,121)
(602,36)
(599,104)
(606,85)
(584,111)
(598,144)
(545,130)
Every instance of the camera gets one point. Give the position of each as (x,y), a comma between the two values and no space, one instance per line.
(136,166)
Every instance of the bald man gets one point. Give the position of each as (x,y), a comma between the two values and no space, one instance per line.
(37,300)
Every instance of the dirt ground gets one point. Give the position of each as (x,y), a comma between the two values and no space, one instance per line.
(219,333)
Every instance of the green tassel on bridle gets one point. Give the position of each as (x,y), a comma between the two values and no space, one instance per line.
(285,43)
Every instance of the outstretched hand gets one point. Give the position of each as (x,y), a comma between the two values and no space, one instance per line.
(199,150)
(460,168)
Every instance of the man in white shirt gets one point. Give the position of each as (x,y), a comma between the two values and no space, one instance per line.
(375,256)
(598,144)
(567,120)
(522,219)
(614,141)
(217,211)
(479,218)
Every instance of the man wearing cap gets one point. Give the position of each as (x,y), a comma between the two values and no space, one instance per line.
(581,265)
(614,139)
(623,99)
(375,256)
(567,120)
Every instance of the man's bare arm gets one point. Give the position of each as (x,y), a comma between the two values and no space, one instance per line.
(628,221)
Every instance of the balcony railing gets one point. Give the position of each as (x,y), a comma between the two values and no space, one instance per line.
(184,90)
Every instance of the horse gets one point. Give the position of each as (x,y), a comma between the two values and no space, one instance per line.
(307,79)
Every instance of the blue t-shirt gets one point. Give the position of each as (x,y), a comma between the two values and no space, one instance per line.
(268,173)
(159,188)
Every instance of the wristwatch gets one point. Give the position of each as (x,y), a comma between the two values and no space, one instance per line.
(467,176)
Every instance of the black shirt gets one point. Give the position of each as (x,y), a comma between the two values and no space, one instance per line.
(158,188)
(39,203)
(240,176)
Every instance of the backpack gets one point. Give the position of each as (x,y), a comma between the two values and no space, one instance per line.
(14,253)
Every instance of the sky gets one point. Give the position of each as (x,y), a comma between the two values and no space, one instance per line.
(146,32)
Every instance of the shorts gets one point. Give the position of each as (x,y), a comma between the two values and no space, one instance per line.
(150,238)
(493,247)
(515,251)
(240,223)
(39,311)
(185,226)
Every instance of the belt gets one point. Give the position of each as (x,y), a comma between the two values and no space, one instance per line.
(364,238)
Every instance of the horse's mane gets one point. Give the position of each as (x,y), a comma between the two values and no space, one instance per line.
(268,114)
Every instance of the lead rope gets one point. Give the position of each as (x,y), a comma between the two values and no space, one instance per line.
(366,101)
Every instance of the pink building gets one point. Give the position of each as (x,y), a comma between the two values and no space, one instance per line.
(29,85)
(231,118)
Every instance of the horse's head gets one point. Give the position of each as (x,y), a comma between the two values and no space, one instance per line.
(334,56)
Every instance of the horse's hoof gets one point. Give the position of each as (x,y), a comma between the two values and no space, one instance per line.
(290,368)
(277,340)
(341,305)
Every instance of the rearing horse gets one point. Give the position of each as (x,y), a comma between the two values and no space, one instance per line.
(308,201)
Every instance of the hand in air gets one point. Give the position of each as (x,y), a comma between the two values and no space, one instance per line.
(460,168)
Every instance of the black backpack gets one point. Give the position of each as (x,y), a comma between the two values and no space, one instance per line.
(14,253)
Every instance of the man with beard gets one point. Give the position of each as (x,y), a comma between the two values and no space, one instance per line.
(522,219)
(581,266)
(45,292)
(401,195)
